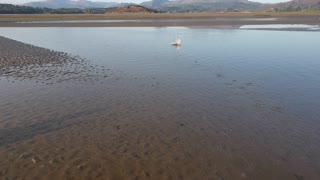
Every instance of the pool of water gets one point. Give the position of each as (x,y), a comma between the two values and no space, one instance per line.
(286,27)
(228,103)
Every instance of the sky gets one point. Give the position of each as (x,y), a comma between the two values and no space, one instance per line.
(133,1)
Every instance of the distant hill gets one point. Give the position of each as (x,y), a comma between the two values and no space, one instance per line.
(15,9)
(82,4)
(157,3)
(203,5)
(296,5)
(132,9)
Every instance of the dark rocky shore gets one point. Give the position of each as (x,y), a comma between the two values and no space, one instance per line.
(20,61)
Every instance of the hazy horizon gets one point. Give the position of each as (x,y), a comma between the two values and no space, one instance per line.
(129,1)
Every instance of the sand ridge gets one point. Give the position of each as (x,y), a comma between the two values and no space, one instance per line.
(20,61)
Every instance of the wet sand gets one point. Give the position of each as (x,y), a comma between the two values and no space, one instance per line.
(141,128)
(19,62)
(180,19)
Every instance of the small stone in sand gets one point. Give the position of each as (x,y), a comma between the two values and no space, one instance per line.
(299,177)
(35,160)
(24,156)
(243,175)
(53,161)
(81,166)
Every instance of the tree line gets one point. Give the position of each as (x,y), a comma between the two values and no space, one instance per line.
(15,9)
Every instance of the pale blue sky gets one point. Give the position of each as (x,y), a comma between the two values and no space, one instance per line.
(134,1)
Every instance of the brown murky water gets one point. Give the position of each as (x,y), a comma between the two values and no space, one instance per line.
(229,104)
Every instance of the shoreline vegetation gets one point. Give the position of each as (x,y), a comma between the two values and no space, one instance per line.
(180,19)
(140,16)
(16,9)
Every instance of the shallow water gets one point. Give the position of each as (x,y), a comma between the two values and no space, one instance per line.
(286,27)
(229,103)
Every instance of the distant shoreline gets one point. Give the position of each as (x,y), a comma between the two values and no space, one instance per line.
(179,19)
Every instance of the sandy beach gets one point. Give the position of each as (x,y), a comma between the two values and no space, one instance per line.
(201,117)
(19,61)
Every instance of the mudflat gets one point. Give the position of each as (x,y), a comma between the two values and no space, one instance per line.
(227,104)
(157,19)
(22,61)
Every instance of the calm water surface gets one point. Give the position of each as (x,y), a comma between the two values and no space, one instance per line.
(227,104)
